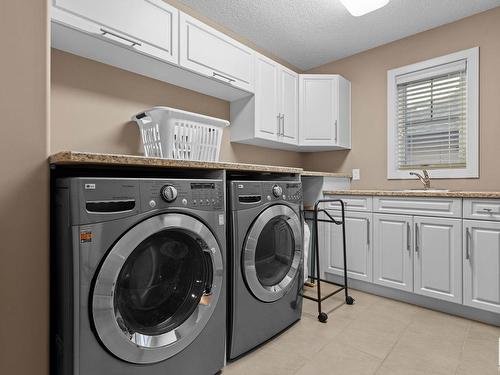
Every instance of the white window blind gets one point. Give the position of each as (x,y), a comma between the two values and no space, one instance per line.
(431,117)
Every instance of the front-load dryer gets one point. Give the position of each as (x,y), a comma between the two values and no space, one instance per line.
(266,261)
(139,285)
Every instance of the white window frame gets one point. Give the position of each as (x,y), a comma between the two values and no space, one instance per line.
(472,117)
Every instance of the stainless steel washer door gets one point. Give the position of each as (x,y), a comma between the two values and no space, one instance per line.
(272,253)
(157,288)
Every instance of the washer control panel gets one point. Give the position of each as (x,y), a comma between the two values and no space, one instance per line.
(207,195)
(250,193)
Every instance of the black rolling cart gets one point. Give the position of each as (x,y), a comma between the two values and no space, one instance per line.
(312,215)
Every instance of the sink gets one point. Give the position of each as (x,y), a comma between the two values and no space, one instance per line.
(425,190)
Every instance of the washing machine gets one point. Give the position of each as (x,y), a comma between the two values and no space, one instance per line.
(266,261)
(138,277)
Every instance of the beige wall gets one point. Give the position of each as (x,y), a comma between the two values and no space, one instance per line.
(91,104)
(368,73)
(24,215)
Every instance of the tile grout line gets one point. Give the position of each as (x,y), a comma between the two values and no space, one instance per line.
(331,340)
(396,342)
(323,347)
(463,347)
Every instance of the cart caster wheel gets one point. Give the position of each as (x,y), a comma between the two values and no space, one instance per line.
(349,300)
(323,317)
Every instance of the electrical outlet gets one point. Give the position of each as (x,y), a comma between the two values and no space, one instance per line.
(355,174)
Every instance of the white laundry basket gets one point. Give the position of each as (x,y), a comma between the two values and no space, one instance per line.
(170,133)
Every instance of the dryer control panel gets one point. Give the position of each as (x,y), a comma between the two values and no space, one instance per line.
(249,193)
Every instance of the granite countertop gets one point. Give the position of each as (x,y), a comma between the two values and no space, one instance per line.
(420,193)
(87,158)
(325,174)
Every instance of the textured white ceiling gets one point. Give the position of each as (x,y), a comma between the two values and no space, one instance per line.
(309,33)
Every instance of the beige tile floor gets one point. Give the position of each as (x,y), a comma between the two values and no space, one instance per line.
(375,336)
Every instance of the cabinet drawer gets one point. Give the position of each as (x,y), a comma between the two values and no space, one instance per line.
(351,203)
(482,209)
(443,207)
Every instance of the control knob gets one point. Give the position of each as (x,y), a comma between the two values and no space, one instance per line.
(168,193)
(277,191)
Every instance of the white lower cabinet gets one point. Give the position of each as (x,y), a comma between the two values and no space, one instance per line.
(481,264)
(392,251)
(437,261)
(455,259)
(358,242)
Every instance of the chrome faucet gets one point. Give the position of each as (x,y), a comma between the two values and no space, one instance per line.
(425,179)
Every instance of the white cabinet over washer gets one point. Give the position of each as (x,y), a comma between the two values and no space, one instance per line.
(147,26)
(209,52)
(270,117)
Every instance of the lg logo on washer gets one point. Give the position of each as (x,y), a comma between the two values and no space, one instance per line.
(89,186)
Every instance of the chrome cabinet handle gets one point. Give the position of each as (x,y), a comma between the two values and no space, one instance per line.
(230,80)
(467,243)
(368,232)
(278,133)
(283,125)
(336,136)
(488,210)
(134,42)
(408,237)
(417,240)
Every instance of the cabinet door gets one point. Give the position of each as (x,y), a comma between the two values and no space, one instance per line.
(289,100)
(149,26)
(481,262)
(358,246)
(267,112)
(317,110)
(392,251)
(214,54)
(438,258)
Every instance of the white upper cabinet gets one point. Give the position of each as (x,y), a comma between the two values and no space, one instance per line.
(481,262)
(267,105)
(325,112)
(270,117)
(147,26)
(438,258)
(214,54)
(289,96)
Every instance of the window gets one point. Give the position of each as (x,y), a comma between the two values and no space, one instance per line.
(433,117)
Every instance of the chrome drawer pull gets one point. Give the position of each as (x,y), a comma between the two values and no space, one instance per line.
(134,42)
(215,74)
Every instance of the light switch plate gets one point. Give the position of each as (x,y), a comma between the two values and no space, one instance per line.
(355,174)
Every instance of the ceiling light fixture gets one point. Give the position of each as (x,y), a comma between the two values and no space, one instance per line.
(359,7)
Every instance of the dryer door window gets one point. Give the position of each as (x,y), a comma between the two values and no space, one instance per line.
(157,288)
(272,253)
